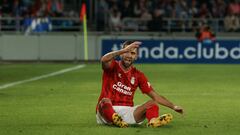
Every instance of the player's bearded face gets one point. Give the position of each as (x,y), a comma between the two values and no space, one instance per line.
(129,57)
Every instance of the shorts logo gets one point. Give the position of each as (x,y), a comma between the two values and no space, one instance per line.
(132,80)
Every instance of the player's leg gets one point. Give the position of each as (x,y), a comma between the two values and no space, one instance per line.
(147,110)
(105,109)
(150,110)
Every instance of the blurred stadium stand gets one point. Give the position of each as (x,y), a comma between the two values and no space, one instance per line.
(57,32)
(121,15)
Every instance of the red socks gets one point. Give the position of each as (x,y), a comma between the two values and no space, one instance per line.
(152,112)
(106,111)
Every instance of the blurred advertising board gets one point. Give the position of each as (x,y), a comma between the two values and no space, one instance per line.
(181,51)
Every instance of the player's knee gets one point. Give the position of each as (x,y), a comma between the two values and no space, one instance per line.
(103,105)
(150,104)
(105,100)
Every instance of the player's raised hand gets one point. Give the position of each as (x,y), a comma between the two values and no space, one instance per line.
(133,45)
(178,109)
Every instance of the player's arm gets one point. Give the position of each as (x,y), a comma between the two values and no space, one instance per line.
(163,101)
(107,58)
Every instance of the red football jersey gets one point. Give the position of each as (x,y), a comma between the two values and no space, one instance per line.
(120,86)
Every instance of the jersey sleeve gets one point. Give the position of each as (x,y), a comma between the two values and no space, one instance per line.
(113,64)
(144,85)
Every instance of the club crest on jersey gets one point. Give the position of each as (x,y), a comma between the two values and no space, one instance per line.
(132,80)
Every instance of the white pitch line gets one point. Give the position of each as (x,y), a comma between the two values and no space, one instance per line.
(41,77)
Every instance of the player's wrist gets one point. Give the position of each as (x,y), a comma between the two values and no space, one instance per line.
(124,50)
(117,53)
(175,107)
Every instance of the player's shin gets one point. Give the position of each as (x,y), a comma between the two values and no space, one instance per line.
(106,110)
(152,112)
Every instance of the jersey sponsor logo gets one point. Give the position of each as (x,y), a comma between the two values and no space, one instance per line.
(122,88)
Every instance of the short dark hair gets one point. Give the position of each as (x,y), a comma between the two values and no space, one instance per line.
(128,42)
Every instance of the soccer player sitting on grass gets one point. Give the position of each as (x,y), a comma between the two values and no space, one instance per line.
(120,81)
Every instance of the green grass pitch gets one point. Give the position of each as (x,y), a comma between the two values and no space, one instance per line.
(65,104)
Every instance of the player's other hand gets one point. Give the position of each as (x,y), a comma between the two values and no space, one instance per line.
(178,109)
(133,45)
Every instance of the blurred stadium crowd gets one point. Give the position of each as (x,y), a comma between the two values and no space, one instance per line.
(153,12)
(123,15)
(15,8)
(36,15)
